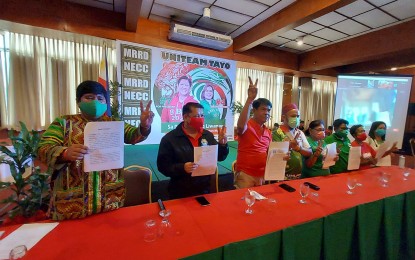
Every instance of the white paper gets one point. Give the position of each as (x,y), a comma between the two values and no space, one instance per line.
(206,157)
(256,195)
(105,141)
(383,148)
(331,154)
(275,167)
(28,235)
(354,158)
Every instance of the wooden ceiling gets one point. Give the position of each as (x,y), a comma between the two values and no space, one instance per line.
(383,35)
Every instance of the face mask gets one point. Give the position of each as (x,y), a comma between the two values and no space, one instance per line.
(361,137)
(197,123)
(343,133)
(93,108)
(293,122)
(320,135)
(380,132)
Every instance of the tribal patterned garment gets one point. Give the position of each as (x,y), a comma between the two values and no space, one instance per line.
(75,193)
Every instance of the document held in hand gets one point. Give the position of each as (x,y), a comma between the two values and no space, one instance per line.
(275,167)
(354,158)
(383,148)
(331,154)
(105,141)
(206,157)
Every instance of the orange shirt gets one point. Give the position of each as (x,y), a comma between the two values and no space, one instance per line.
(252,149)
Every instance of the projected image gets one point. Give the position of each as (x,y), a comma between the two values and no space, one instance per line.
(366,99)
(366,105)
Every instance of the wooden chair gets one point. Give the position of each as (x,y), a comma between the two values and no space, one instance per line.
(412,145)
(214,181)
(137,185)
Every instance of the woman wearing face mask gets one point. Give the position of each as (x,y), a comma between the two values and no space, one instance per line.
(314,163)
(377,135)
(368,154)
(75,193)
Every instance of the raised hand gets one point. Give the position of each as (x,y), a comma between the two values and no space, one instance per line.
(294,144)
(319,149)
(146,117)
(252,89)
(222,139)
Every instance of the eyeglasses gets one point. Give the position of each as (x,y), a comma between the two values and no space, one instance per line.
(319,129)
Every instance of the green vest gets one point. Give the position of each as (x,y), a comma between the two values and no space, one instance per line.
(344,146)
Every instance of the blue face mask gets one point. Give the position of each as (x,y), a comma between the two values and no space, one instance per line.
(380,132)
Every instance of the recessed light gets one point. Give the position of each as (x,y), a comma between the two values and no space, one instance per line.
(394,68)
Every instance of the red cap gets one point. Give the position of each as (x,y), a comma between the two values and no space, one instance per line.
(288,107)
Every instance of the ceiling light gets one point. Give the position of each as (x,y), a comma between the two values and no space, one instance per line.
(394,68)
(300,40)
(206,12)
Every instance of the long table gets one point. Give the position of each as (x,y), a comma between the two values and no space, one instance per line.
(374,223)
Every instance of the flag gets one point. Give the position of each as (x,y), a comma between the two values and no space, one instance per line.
(103,77)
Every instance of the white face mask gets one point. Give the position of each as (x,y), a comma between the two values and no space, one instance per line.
(293,122)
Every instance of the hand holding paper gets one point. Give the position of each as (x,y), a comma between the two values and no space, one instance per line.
(206,158)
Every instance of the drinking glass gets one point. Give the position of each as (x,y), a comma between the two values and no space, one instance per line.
(150,232)
(249,200)
(385,178)
(165,224)
(304,191)
(18,252)
(351,184)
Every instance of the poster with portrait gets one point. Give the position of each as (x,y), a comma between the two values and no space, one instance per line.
(171,79)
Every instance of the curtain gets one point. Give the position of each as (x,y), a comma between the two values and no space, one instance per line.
(44,74)
(317,99)
(270,86)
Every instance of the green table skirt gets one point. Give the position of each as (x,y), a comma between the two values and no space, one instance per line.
(383,229)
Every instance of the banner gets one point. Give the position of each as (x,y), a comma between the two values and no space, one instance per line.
(171,79)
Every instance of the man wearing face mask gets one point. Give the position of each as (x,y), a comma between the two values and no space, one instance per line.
(314,163)
(176,153)
(299,145)
(340,137)
(75,193)
(368,154)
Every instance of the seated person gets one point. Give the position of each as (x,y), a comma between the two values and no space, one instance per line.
(340,136)
(75,193)
(368,155)
(176,153)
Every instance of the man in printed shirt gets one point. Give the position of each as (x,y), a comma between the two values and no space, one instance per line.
(299,145)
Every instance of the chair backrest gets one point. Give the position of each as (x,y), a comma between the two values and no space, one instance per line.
(137,185)
(234,167)
(214,181)
(412,144)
